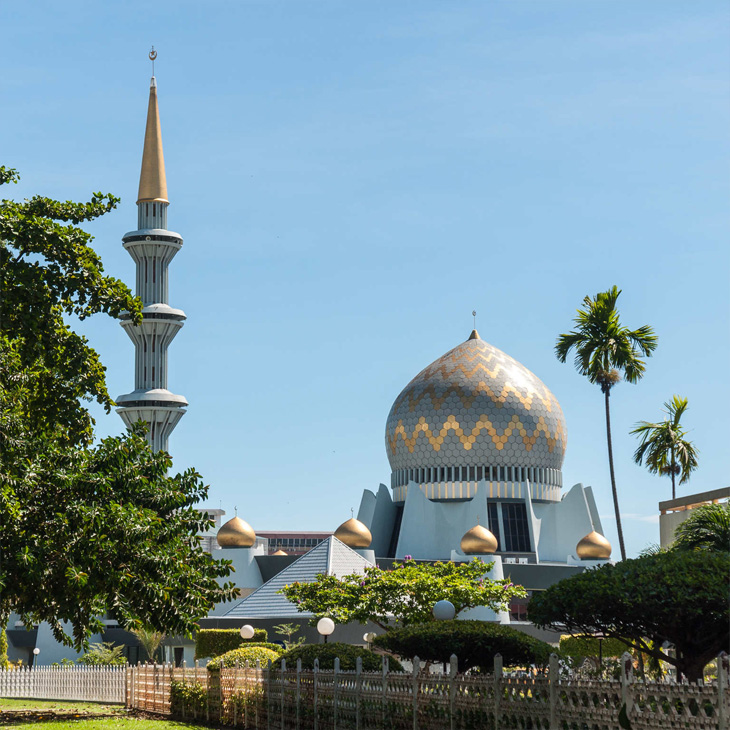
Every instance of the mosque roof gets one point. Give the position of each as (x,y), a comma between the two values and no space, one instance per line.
(152,179)
(476,406)
(330,557)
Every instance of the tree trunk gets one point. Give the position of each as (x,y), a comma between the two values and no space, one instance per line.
(674,490)
(607,392)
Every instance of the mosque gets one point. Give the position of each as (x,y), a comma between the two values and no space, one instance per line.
(475,442)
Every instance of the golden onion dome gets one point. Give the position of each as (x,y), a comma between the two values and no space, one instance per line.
(236,533)
(280,552)
(593,546)
(354,534)
(478,541)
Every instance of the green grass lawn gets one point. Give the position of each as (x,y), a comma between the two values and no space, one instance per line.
(59,706)
(106,723)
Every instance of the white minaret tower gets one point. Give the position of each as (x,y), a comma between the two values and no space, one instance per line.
(152,247)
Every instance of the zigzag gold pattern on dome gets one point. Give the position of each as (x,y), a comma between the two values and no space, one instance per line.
(449,364)
(467,440)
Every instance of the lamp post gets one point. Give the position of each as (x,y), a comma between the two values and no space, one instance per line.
(247,631)
(444,610)
(325,626)
(36,652)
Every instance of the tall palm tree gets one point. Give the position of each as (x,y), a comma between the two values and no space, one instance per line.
(606,351)
(663,446)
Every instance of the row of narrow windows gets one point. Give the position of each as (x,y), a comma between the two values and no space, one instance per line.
(425,475)
(512,526)
(154,338)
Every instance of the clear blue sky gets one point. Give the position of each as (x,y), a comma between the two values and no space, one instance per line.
(353,178)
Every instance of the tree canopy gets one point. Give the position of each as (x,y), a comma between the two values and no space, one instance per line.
(677,596)
(405,593)
(474,643)
(84,530)
(706,528)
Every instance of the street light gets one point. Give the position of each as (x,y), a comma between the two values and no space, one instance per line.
(247,631)
(325,626)
(368,638)
(444,610)
(36,652)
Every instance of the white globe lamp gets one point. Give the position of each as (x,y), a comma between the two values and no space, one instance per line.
(247,631)
(444,610)
(325,626)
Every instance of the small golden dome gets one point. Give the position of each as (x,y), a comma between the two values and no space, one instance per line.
(354,534)
(478,541)
(593,546)
(236,533)
(280,552)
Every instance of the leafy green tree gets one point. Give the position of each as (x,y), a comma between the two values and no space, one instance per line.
(707,528)
(347,654)
(287,631)
(150,640)
(677,596)
(103,654)
(406,593)
(473,642)
(84,531)
(664,446)
(4,663)
(606,351)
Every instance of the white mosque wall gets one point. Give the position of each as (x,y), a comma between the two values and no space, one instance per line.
(247,575)
(378,513)
(564,523)
(482,613)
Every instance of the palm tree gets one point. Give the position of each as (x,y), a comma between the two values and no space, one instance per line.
(663,446)
(150,640)
(605,351)
(707,527)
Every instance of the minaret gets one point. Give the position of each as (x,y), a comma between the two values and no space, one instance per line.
(152,247)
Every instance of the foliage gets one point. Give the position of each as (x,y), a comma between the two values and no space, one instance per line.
(244,654)
(245,702)
(405,593)
(347,653)
(474,642)
(706,528)
(83,531)
(664,446)
(104,653)
(150,641)
(287,631)
(604,351)
(576,649)
(677,596)
(214,642)
(188,698)
(4,663)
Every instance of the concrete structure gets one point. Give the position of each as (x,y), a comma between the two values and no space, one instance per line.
(152,247)
(673,512)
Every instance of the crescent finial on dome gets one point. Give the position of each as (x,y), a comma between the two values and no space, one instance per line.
(354,534)
(593,546)
(478,541)
(236,533)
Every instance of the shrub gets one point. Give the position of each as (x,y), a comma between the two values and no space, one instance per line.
(4,663)
(190,696)
(578,648)
(103,654)
(245,654)
(326,653)
(214,642)
(474,642)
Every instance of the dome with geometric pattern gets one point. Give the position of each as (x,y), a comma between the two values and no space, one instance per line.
(476,415)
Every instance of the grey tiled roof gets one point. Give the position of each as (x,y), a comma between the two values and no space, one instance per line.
(330,557)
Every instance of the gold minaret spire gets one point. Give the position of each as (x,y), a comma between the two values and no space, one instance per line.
(152,180)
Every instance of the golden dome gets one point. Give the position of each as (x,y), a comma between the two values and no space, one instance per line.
(354,534)
(236,533)
(280,552)
(478,541)
(593,546)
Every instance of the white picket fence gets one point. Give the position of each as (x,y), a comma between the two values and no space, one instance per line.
(85,684)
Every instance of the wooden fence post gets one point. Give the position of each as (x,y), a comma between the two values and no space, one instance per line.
(299,672)
(358,692)
(723,669)
(258,676)
(268,695)
(314,687)
(554,677)
(627,681)
(453,668)
(416,670)
(281,718)
(498,691)
(336,680)
(384,688)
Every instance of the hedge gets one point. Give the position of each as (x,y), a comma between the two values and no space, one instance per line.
(242,655)
(474,642)
(326,653)
(214,642)
(581,647)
